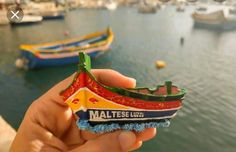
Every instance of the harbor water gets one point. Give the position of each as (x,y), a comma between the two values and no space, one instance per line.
(204,63)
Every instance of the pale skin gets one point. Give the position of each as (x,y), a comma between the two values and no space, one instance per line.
(49,124)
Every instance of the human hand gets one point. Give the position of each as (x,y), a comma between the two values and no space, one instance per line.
(49,124)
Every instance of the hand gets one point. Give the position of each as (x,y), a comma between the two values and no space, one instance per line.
(49,124)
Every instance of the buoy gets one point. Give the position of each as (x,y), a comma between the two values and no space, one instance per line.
(160,64)
(66,33)
(19,63)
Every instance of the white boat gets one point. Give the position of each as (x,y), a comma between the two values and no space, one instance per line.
(146,8)
(29,19)
(219,18)
(201,8)
(111,5)
(232,11)
(48,10)
(180,8)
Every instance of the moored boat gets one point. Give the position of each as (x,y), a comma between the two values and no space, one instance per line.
(145,7)
(48,10)
(201,8)
(180,8)
(219,18)
(65,51)
(100,108)
(28,19)
(232,10)
(111,5)
(53,15)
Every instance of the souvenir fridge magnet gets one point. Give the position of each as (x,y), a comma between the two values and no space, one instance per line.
(101,108)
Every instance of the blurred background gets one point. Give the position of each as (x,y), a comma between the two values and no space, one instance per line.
(194,40)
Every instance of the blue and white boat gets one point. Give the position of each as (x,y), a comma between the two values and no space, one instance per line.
(65,51)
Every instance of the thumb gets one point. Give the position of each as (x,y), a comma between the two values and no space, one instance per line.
(118,141)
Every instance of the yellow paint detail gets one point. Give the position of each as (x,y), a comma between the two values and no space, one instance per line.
(80,97)
(84,97)
(35,48)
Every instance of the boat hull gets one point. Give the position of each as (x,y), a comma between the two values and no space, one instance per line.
(53,17)
(111,115)
(101,110)
(66,51)
(35,62)
(215,25)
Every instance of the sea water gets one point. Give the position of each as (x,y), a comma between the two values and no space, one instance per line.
(203,62)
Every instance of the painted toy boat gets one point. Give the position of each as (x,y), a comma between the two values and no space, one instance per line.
(100,108)
(64,52)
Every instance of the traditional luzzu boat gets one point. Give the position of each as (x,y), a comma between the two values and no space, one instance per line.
(65,51)
(101,108)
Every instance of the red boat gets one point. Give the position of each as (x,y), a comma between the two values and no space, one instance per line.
(100,108)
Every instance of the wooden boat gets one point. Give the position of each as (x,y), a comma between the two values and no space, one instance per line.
(65,51)
(100,108)
(218,18)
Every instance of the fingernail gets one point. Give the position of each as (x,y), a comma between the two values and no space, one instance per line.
(132,80)
(127,140)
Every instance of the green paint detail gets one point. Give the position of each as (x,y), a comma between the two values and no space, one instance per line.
(85,65)
(84,62)
(168,87)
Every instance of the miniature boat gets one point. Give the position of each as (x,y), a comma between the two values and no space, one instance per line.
(65,51)
(100,108)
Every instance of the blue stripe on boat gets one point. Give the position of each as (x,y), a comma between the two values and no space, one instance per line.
(122,114)
(74,44)
(35,62)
